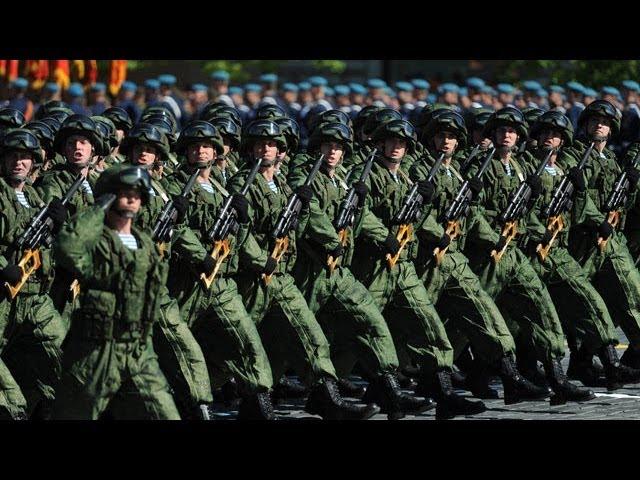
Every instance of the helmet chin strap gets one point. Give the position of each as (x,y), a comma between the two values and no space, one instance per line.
(124,213)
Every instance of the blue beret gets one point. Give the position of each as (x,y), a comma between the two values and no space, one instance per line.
(556,88)
(152,83)
(404,86)
(220,75)
(631,85)
(289,87)
(575,87)
(464,91)
(420,84)
(589,92)
(199,87)
(607,90)
(235,91)
(252,87)
(341,90)
(505,88)
(98,87)
(449,87)
(318,81)
(376,83)
(542,93)
(129,86)
(75,90)
(531,85)
(475,82)
(358,88)
(167,79)
(389,91)
(329,91)
(268,78)
(52,87)
(20,83)
(304,86)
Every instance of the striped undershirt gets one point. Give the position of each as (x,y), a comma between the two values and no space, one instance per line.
(22,199)
(129,241)
(207,187)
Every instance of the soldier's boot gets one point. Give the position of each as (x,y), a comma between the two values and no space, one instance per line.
(562,388)
(582,368)
(325,400)
(458,379)
(385,391)
(478,379)
(516,387)
(43,410)
(230,394)
(405,382)
(631,358)
(616,373)
(257,407)
(527,364)
(287,388)
(449,403)
(349,389)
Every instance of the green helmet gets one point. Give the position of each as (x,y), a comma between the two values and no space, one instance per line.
(60,113)
(556,121)
(362,116)
(11,118)
(330,116)
(510,116)
(124,175)
(602,108)
(209,108)
(229,129)
(165,126)
(108,133)
(291,131)
(335,131)
(477,119)
(261,129)
(77,125)
(447,120)
(425,116)
(397,128)
(378,118)
(21,139)
(119,117)
(146,133)
(223,111)
(198,131)
(45,108)
(531,114)
(270,112)
(162,112)
(45,134)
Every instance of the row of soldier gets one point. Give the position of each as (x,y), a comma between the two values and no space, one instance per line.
(146,270)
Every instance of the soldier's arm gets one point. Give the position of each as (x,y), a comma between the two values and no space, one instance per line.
(49,188)
(188,247)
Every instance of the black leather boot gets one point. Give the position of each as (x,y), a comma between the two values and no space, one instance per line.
(582,368)
(516,387)
(230,395)
(385,391)
(325,400)
(527,364)
(563,389)
(631,358)
(478,380)
(458,379)
(257,407)
(405,382)
(449,404)
(616,373)
(287,388)
(350,389)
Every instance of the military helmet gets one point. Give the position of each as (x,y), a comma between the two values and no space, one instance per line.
(45,108)
(21,139)
(223,111)
(335,131)
(77,125)
(119,117)
(510,116)
(478,119)
(531,114)
(165,126)
(11,118)
(380,117)
(228,128)
(400,129)
(602,108)
(268,129)
(312,113)
(107,130)
(330,116)
(53,123)
(448,121)
(362,116)
(124,175)
(291,131)
(210,107)
(146,133)
(45,134)
(553,120)
(60,113)
(160,111)
(270,112)
(198,131)
(425,116)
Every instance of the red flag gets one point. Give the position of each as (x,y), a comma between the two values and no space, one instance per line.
(117,75)
(12,70)
(60,73)
(91,72)
(3,68)
(37,71)
(77,70)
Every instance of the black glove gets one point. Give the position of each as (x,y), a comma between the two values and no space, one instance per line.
(241,206)
(426,190)
(536,185)
(362,190)
(633,174)
(57,213)
(336,252)
(207,265)
(270,266)
(391,244)
(181,205)
(11,274)
(577,179)
(305,194)
(605,230)
(501,243)
(476,186)
(444,242)
(546,238)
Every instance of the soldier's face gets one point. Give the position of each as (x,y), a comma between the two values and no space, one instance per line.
(119,135)
(506,136)
(265,149)
(129,200)
(144,154)
(332,152)
(78,150)
(445,142)
(395,148)
(18,163)
(226,145)
(550,139)
(599,126)
(200,152)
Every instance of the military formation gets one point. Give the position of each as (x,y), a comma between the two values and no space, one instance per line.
(151,266)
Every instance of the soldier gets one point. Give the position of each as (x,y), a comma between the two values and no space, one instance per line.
(19,99)
(227,163)
(75,93)
(289,330)
(126,100)
(574,102)
(45,136)
(10,118)
(123,124)
(109,360)
(291,133)
(98,98)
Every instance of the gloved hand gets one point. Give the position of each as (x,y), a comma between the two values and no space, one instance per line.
(362,190)
(305,194)
(633,175)
(476,186)
(501,243)
(336,252)
(181,205)
(207,265)
(577,179)
(546,238)
(270,266)
(57,213)
(605,230)
(426,190)
(241,206)
(444,242)
(11,274)
(391,244)
(536,185)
